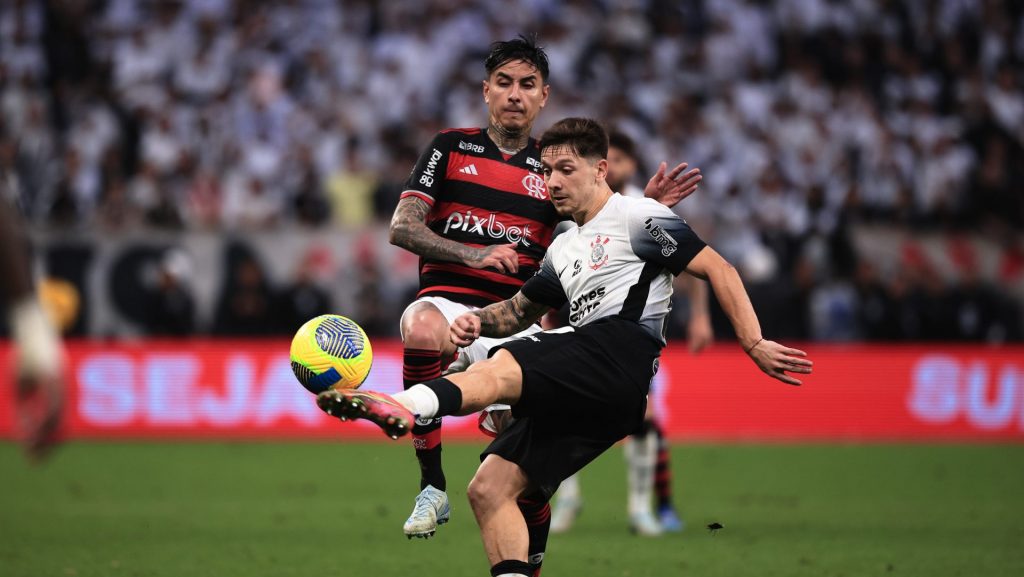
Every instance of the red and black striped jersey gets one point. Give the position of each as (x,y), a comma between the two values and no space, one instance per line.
(480,198)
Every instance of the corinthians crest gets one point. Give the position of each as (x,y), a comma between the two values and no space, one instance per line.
(598,254)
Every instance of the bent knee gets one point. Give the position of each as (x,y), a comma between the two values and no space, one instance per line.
(496,481)
(424,327)
(481,492)
(503,373)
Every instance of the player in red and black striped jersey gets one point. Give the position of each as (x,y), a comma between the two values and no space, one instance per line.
(477,213)
(481,197)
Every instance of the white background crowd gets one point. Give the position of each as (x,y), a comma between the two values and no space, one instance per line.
(809,118)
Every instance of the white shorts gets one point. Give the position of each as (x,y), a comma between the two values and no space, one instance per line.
(480,347)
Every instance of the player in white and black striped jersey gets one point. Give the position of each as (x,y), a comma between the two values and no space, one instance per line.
(646,452)
(615,270)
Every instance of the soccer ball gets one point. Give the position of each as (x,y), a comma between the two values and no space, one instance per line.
(331,351)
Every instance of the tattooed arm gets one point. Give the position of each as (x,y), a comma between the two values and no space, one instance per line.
(410,231)
(497,320)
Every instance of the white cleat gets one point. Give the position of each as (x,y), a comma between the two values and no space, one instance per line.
(431,510)
(645,525)
(564,513)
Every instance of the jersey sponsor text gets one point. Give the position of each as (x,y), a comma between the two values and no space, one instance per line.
(489,226)
(663,238)
(427,178)
(585,303)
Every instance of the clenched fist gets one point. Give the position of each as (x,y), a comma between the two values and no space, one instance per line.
(465,329)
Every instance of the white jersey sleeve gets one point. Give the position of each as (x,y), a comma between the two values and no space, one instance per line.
(660,236)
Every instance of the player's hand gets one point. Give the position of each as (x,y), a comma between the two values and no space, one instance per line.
(465,329)
(669,189)
(699,334)
(40,405)
(500,256)
(776,360)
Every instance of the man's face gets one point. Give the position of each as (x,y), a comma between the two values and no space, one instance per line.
(573,182)
(621,168)
(515,93)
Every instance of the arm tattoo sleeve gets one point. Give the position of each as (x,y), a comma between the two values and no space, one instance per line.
(409,231)
(509,316)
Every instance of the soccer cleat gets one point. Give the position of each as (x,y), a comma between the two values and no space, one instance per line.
(378,408)
(431,510)
(669,520)
(644,524)
(564,513)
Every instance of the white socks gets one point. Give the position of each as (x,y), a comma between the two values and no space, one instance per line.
(641,458)
(420,400)
(569,491)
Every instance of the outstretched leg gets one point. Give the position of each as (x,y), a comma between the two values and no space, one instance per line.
(498,379)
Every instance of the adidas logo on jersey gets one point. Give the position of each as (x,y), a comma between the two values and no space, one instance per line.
(469,169)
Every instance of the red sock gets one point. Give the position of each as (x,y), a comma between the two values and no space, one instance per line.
(662,473)
(420,366)
(538,523)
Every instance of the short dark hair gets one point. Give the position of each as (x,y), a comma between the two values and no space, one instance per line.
(521,48)
(622,141)
(584,136)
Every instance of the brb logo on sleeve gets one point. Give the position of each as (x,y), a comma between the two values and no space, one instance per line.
(488,226)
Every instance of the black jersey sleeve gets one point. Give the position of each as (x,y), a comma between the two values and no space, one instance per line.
(659,235)
(545,288)
(428,175)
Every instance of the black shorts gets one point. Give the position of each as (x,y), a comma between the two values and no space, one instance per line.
(583,391)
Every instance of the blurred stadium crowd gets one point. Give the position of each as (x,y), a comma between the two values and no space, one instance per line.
(816,122)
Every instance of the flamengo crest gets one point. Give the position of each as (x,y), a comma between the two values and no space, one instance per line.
(534,186)
(598,255)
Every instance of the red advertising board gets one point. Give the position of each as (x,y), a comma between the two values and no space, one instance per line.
(244,389)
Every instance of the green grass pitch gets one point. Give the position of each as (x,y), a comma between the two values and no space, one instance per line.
(323,509)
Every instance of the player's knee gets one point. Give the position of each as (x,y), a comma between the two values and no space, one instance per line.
(424,329)
(481,493)
(492,484)
(500,373)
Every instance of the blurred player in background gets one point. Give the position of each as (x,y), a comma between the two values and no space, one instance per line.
(578,390)
(646,452)
(476,211)
(38,358)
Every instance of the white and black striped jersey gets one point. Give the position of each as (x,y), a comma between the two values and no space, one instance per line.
(620,263)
